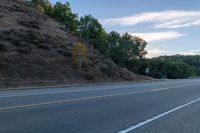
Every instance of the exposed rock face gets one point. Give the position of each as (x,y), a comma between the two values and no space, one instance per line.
(35,50)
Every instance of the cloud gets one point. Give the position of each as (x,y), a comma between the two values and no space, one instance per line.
(159,20)
(158,52)
(159,36)
(191,52)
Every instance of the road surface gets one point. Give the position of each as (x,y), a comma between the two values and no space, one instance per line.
(171,106)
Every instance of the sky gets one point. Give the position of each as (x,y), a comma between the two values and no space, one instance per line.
(169,26)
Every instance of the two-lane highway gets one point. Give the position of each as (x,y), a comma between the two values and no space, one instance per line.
(150,107)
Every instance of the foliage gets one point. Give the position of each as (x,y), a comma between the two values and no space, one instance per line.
(124,48)
(120,48)
(161,68)
(139,51)
(182,70)
(79,55)
(40,8)
(138,65)
(92,31)
(60,12)
(193,61)
(63,14)
(42,5)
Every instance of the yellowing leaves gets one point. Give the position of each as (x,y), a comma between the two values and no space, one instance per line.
(79,55)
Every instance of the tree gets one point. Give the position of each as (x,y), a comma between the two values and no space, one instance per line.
(63,14)
(141,44)
(133,47)
(172,69)
(40,8)
(124,48)
(42,5)
(193,61)
(92,31)
(183,70)
(113,42)
(79,55)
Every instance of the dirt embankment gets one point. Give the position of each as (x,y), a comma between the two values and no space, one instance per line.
(36,50)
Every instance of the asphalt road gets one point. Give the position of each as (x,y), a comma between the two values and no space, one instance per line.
(171,106)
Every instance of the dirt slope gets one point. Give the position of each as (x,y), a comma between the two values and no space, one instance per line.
(36,50)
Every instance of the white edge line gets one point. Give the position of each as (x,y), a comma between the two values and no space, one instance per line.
(157,117)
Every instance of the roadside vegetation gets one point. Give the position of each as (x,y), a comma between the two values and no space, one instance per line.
(79,56)
(124,49)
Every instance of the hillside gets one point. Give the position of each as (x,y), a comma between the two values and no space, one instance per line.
(36,50)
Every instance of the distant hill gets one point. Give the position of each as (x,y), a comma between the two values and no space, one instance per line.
(36,50)
(192,60)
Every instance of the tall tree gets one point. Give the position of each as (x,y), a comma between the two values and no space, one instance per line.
(113,42)
(63,13)
(92,31)
(44,4)
(124,48)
